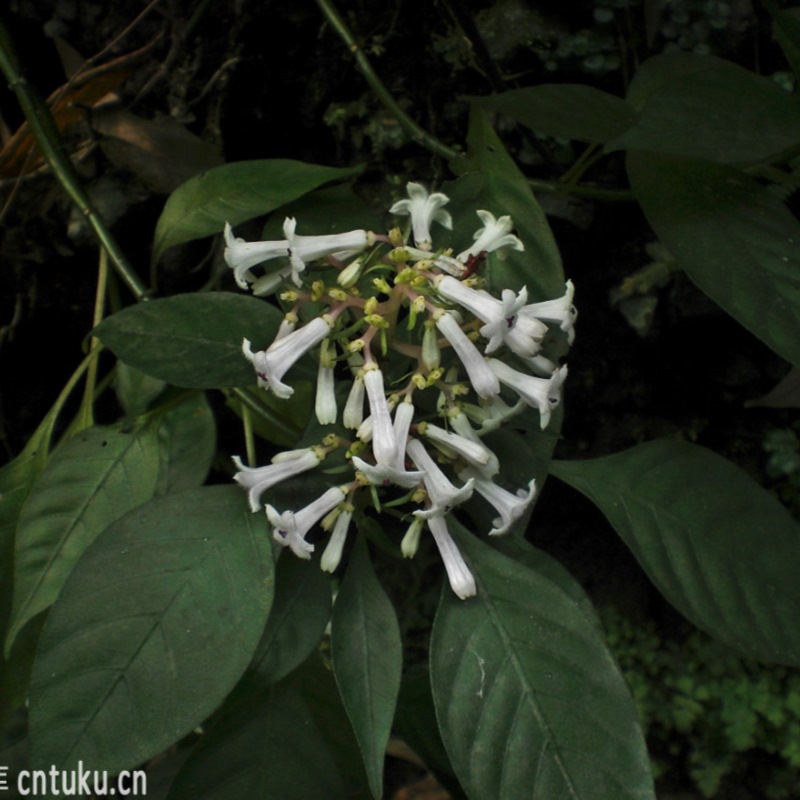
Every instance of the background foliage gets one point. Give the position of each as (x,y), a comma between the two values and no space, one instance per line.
(659,143)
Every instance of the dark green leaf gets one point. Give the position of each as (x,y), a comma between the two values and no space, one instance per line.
(187,439)
(566,110)
(704,107)
(734,239)
(720,548)
(192,340)
(334,209)
(135,389)
(234,193)
(92,480)
(298,618)
(268,748)
(367,660)
(16,480)
(530,702)
(416,720)
(152,630)
(492,181)
(787,32)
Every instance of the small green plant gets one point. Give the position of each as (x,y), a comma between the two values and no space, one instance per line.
(708,713)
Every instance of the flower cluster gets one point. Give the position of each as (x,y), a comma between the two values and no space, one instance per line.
(433,363)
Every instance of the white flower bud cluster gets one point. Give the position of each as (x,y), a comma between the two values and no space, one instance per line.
(425,350)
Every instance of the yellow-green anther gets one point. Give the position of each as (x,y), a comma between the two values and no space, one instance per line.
(327,353)
(406,275)
(356,346)
(421,428)
(419,280)
(371,306)
(377,321)
(399,254)
(419,496)
(317,290)
(435,376)
(320,452)
(395,236)
(355,449)
(338,294)
(331,440)
(289,296)
(382,285)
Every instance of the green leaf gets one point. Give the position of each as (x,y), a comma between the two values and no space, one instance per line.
(16,480)
(300,612)
(153,628)
(566,110)
(192,340)
(367,660)
(733,237)
(787,31)
(234,193)
(705,107)
(334,209)
(720,548)
(416,720)
(187,440)
(92,480)
(135,390)
(530,702)
(492,181)
(270,747)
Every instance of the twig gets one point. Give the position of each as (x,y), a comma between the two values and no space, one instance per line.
(417,133)
(428,140)
(46,133)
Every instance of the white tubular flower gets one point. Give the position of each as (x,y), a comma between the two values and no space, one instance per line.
(364,431)
(473,451)
(270,283)
(492,415)
(458,573)
(494,234)
(353,414)
(424,210)
(325,402)
(541,393)
(272,364)
(241,255)
(332,554)
(403,415)
(483,380)
(444,496)
(560,310)
(384,446)
(431,355)
(288,324)
(385,474)
(504,322)
(258,479)
(509,506)
(461,425)
(290,528)
(305,249)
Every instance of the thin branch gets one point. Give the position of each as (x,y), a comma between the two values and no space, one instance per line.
(428,140)
(417,133)
(46,133)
